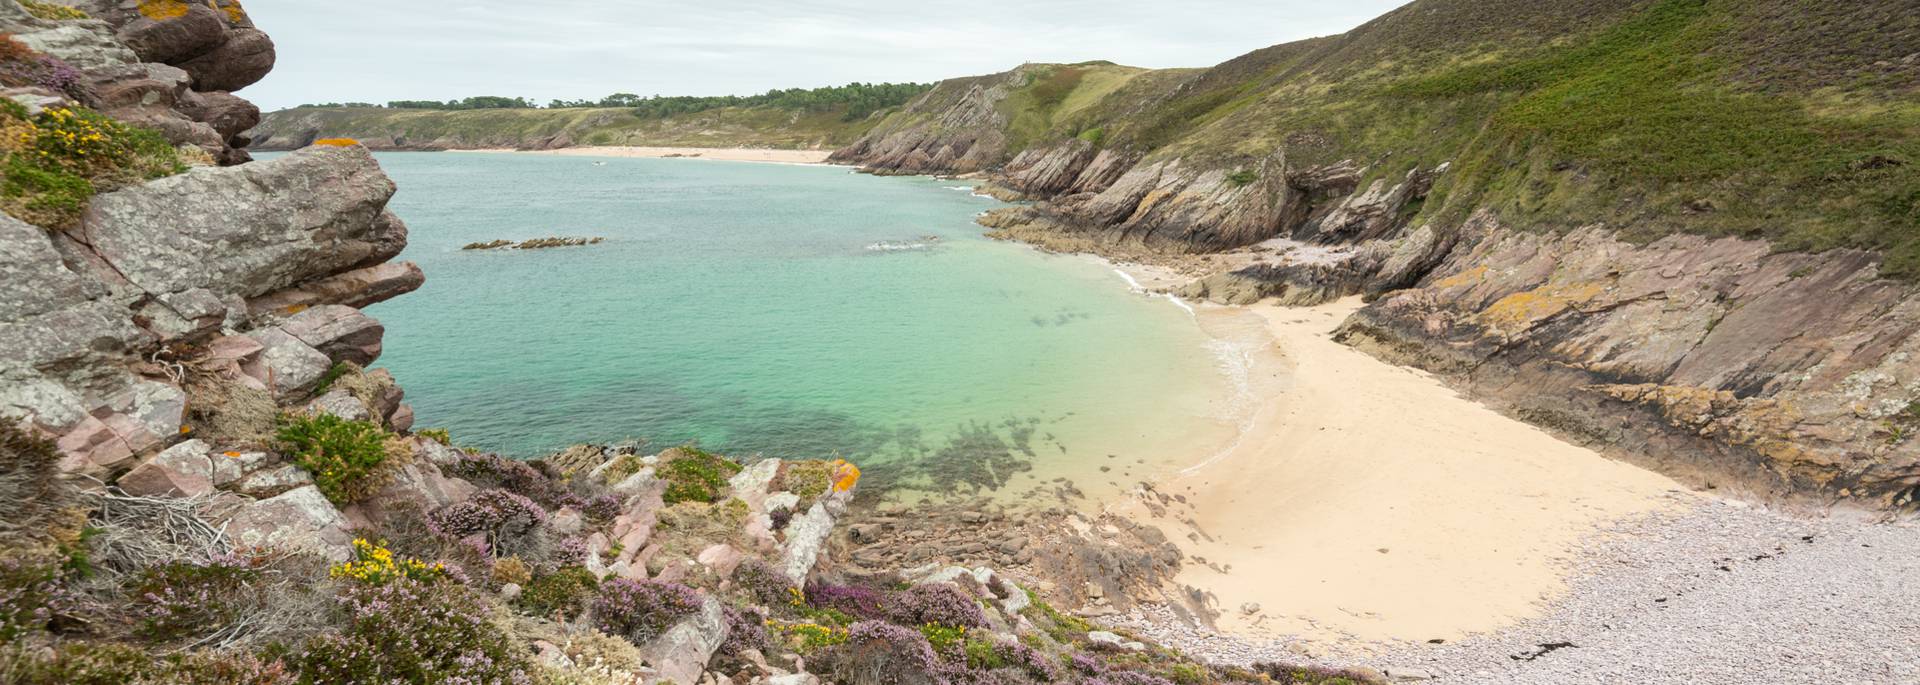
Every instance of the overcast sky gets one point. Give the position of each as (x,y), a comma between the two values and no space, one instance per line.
(380,50)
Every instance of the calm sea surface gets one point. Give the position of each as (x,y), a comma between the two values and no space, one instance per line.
(793,311)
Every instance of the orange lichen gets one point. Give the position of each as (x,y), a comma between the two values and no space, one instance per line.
(235,13)
(845,475)
(162,10)
(1468,277)
(336,142)
(1523,309)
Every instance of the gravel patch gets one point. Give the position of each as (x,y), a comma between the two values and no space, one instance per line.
(1721,593)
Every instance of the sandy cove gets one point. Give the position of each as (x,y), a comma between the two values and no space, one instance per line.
(718,154)
(1371,501)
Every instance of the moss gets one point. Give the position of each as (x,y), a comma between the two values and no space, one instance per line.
(439,435)
(1243,177)
(694,475)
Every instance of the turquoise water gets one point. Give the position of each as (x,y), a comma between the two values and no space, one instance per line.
(782,310)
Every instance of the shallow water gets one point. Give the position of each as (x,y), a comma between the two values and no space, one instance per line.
(793,311)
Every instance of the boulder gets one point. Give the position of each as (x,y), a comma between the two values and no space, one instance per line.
(249,230)
(242,60)
(340,332)
(272,482)
(356,288)
(300,520)
(681,653)
(289,367)
(184,470)
(1102,638)
(341,403)
(417,483)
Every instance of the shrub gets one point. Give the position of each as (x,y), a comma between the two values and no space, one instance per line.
(877,652)
(347,459)
(935,603)
(52,11)
(746,630)
(855,600)
(58,159)
(30,597)
(512,570)
(1243,177)
(602,508)
(808,638)
(411,632)
(81,663)
(1130,678)
(1287,674)
(947,641)
(641,610)
(185,598)
(494,471)
(694,475)
(438,435)
(36,499)
(375,565)
(560,595)
(770,585)
(510,521)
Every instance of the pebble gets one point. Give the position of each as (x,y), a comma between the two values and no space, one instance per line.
(1717,594)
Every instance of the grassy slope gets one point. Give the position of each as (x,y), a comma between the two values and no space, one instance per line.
(1784,119)
(729,127)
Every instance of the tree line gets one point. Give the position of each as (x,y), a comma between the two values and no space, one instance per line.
(859,100)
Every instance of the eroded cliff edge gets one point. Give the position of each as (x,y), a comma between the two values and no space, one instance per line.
(1628,222)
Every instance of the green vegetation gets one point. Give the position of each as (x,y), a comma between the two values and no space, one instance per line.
(1794,122)
(560,595)
(56,160)
(476,102)
(1243,177)
(53,11)
(695,475)
(348,459)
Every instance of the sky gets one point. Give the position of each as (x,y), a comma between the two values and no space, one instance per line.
(381,50)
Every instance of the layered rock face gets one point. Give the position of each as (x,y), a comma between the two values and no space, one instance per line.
(955,128)
(1722,360)
(184,272)
(168,65)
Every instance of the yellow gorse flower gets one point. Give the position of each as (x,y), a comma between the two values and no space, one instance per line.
(376,565)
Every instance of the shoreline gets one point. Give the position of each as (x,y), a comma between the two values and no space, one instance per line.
(1376,516)
(763,155)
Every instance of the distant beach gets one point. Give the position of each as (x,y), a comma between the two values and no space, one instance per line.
(718,154)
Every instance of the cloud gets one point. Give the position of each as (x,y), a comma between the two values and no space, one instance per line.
(379,50)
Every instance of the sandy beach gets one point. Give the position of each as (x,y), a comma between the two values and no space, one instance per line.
(718,154)
(1371,502)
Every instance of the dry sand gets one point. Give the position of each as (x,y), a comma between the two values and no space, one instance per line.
(721,154)
(1371,502)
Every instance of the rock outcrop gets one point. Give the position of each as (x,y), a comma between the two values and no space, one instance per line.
(169,65)
(113,315)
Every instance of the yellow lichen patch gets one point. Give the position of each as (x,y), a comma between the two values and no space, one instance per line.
(1464,278)
(235,13)
(1522,309)
(845,475)
(162,10)
(336,142)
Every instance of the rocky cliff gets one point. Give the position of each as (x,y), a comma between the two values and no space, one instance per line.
(1661,227)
